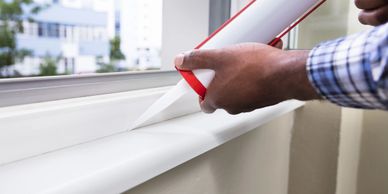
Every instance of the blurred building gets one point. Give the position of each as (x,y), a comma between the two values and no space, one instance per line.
(78,31)
(74,36)
(139,25)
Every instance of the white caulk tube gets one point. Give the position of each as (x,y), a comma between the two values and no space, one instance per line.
(260,21)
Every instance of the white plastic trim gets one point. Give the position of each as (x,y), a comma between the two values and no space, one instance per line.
(30,130)
(119,162)
(18,91)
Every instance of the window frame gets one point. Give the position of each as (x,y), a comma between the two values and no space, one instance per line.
(219,12)
(19,91)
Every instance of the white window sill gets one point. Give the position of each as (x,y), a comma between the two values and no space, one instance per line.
(125,159)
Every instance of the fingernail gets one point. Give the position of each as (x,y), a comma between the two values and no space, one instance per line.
(179,60)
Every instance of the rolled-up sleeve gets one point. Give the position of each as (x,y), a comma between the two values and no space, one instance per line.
(352,71)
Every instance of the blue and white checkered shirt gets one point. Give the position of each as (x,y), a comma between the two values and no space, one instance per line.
(353,71)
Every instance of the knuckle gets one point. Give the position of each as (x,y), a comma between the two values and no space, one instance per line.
(188,58)
(194,54)
(196,57)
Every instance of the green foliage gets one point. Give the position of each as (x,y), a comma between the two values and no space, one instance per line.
(12,15)
(49,66)
(12,11)
(7,47)
(115,55)
(115,51)
(106,68)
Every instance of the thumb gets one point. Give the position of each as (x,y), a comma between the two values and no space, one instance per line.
(196,59)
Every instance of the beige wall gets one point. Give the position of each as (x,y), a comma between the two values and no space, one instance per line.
(373,164)
(351,129)
(185,24)
(256,162)
(363,157)
(314,149)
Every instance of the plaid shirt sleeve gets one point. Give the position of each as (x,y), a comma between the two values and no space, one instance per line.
(352,71)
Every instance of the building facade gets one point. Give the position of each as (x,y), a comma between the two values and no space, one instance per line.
(71,36)
(76,33)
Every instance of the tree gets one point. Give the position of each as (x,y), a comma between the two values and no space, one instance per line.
(115,53)
(49,66)
(12,14)
(115,56)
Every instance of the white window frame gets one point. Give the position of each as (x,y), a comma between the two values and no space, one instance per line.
(21,91)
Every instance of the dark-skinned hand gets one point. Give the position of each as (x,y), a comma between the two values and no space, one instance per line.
(250,76)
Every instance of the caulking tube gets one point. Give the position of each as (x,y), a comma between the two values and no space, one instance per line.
(260,21)
(263,21)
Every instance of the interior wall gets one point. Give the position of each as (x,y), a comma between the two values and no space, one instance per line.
(351,130)
(185,24)
(314,149)
(373,164)
(256,162)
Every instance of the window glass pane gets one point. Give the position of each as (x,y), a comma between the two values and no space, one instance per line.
(59,37)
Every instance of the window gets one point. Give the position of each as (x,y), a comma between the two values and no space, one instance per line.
(100,36)
(83,66)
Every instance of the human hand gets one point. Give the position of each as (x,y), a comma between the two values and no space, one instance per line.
(250,76)
(374,12)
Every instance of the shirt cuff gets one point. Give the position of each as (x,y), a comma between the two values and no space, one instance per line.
(338,72)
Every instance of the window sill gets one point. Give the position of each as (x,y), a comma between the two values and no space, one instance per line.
(121,161)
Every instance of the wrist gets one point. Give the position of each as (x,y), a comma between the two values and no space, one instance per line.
(296,83)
